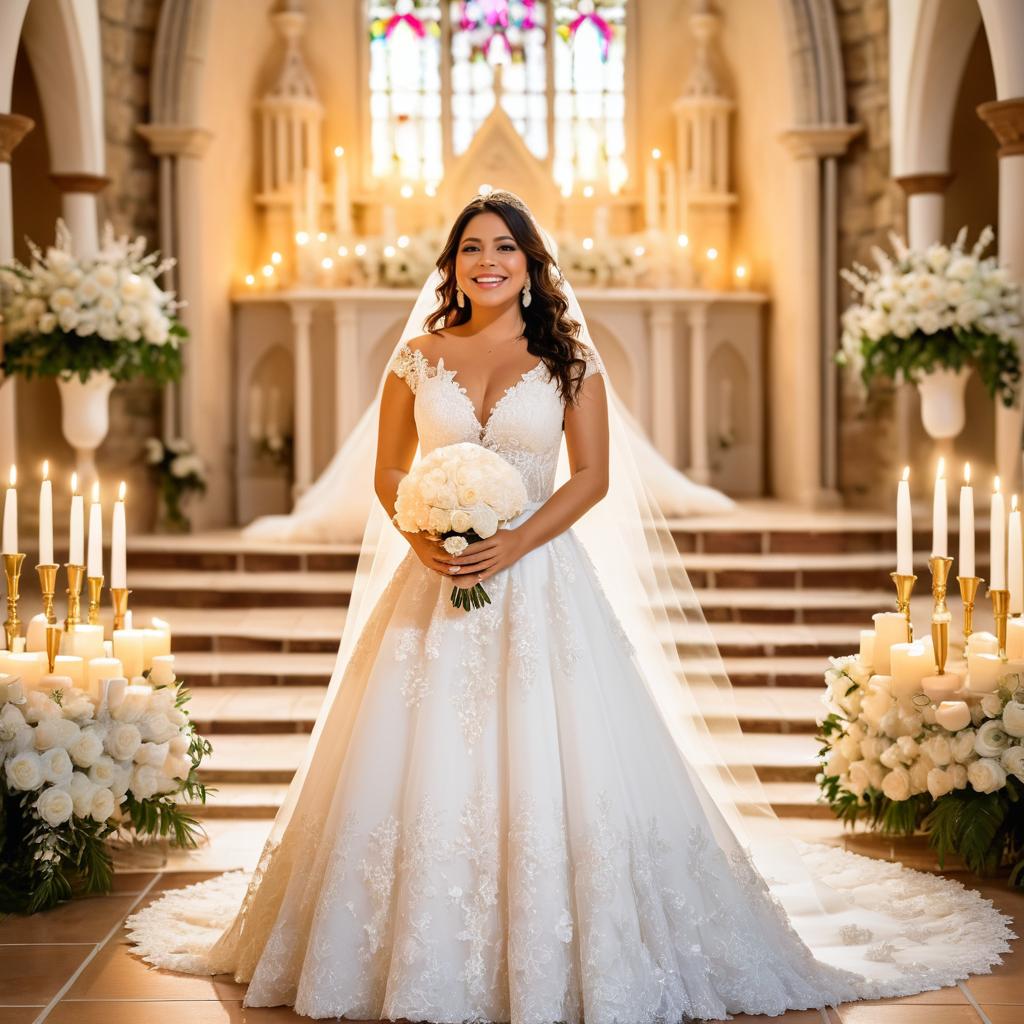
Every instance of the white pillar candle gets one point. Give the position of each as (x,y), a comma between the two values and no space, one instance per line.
(953,715)
(10,537)
(46,518)
(155,642)
(11,690)
(256,413)
(136,700)
(19,645)
(1015,561)
(867,647)
(162,673)
(72,666)
(48,683)
(966,567)
(162,624)
(129,649)
(118,544)
(941,687)
(1015,637)
(101,668)
(35,639)
(940,534)
(997,540)
(910,663)
(95,562)
(84,640)
(342,207)
(30,666)
(890,628)
(108,648)
(129,619)
(76,533)
(904,527)
(652,197)
(115,691)
(983,672)
(982,643)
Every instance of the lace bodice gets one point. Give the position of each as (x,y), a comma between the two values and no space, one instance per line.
(524,426)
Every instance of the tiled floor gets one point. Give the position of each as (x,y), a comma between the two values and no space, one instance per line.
(73,966)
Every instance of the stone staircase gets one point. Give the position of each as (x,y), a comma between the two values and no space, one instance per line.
(256,630)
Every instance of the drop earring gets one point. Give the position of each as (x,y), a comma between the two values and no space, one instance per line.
(460,299)
(527,297)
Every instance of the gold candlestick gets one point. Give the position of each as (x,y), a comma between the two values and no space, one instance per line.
(1000,608)
(119,598)
(904,588)
(968,594)
(47,574)
(95,585)
(940,566)
(76,573)
(12,570)
(52,645)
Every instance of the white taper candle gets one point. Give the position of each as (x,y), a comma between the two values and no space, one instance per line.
(966,567)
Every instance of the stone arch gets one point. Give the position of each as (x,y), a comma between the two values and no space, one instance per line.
(815,62)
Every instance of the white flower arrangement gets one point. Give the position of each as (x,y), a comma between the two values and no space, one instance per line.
(618,262)
(941,307)
(73,771)
(179,471)
(66,314)
(885,759)
(460,493)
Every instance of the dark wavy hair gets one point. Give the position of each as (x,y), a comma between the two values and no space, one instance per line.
(551,334)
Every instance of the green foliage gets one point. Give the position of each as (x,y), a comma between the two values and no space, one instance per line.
(996,360)
(57,353)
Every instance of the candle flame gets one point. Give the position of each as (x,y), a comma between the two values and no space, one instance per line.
(1013,503)
(46,469)
(906,472)
(941,471)
(120,492)
(339,150)
(967,473)
(95,492)
(996,487)
(656,153)
(14,475)
(74,484)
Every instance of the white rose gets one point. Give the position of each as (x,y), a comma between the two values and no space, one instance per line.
(850,748)
(179,744)
(24,771)
(455,545)
(891,756)
(156,727)
(1013,719)
(103,805)
(439,520)
(872,747)
(485,522)
(176,766)
(986,775)
(919,774)
(875,705)
(154,450)
(81,790)
(1013,761)
(122,741)
(151,753)
(144,782)
(56,732)
(962,745)
(959,773)
(462,521)
(860,778)
(87,748)
(55,806)
(896,785)
(835,762)
(102,771)
(908,748)
(938,749)
(992,705)
(57,766)
(991,739)
(468,495)
(940,782)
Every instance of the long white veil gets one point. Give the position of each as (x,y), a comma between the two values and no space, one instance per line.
(628,540)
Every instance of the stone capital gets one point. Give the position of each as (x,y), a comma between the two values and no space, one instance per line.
(13,128)
(818,141)
(80,182)
(921,184)
(1006,120)
(175,139)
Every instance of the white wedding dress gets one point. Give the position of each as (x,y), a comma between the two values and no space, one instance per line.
(509,832)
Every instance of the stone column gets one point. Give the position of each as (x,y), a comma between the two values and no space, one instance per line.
(697,319)
(812,342)
(13,128)
(302,319)
(346,370)
(78,202)
(1006,120)
(663,418)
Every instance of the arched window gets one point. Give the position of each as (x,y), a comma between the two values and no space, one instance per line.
(561,81)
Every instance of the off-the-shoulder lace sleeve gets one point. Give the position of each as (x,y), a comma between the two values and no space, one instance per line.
(592,364)
(409,364)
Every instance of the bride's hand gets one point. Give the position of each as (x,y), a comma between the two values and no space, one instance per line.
(484,558)
(429,551)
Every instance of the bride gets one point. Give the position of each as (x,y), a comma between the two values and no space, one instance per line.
(536,811)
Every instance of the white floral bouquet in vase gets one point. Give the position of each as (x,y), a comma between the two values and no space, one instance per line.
(460,493)
(931,316)
(179,471)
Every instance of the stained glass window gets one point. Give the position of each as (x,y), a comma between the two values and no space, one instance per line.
(486,35)
(405,90)
(589,100)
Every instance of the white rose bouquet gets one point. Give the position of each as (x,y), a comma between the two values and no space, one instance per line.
(887,761)
(460,493)
(73,773)
(938,308)
(178,472)
(68,315)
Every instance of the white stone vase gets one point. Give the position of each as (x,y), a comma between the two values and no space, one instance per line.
(85,417)
(942,401)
